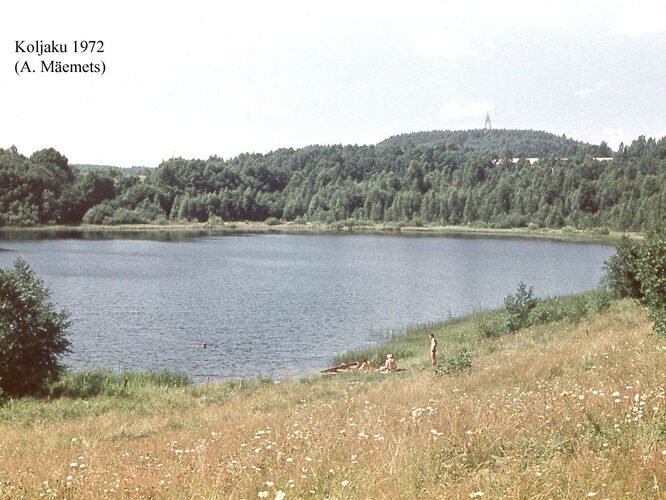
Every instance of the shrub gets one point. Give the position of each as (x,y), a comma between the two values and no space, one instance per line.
(598,301)
(652,277)
(126,216)
(492,328)
(98,213)
(621,270)
(518,307)
(272,221)
(32,333)
(460,361)
(544,312)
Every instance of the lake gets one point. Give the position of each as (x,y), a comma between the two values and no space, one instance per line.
(277,304)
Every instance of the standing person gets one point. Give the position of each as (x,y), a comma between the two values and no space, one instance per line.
(433,350)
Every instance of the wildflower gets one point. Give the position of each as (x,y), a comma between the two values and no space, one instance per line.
(262,494)
(73,464)
(344,483)
(592,494)
(476,494)
(279,495)
(269,483)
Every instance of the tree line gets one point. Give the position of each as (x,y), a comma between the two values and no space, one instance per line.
(438,178)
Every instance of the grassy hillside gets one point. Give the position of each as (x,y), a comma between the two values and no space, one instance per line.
(566,409)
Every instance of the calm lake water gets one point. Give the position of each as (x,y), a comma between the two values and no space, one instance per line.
(277,304)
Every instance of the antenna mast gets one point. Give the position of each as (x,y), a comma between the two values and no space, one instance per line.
(488,126)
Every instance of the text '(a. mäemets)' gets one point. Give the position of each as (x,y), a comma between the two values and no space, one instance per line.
(59,57)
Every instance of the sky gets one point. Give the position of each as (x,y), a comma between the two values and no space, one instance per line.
(201,78)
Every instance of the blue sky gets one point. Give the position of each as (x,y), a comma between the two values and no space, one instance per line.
(195,79)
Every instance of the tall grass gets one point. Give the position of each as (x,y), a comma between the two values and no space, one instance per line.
(572,408)
(103,382)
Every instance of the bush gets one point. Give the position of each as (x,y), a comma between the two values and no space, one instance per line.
(126,216)
(598,301)
(492,328)
(621,270)
(32,333)
(518,307)
(652,277)
(272,221)
(460,361)
(98,213)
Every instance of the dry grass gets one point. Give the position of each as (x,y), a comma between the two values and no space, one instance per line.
(560,411)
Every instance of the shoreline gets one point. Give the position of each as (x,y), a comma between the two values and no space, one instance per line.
(204,228)
(397,342)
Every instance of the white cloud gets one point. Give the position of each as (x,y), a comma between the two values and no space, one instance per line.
(465,109)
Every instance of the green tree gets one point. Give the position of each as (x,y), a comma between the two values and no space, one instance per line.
(621,270)
(518,307)
(32,332)
(652,276)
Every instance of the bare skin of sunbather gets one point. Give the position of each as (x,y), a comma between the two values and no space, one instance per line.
(390,364)
(366,366)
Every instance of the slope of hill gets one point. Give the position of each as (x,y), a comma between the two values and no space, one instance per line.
(522,143)
(570,409)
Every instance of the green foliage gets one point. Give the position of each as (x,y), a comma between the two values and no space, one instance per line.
(621,270)
(272,221)
(523,310)
(652,277)
(492,328)
(518,307)
(460,361)
(104,382)
(427,178)
(32,332)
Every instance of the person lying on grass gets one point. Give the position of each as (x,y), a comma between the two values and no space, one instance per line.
(365,367)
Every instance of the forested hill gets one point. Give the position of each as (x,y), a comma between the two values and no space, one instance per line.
(423,184)
(126,170)
(516,143)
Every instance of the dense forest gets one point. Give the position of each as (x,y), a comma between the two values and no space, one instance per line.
(476,177)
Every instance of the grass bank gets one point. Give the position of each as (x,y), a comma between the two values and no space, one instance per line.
(602,236)
(572,407)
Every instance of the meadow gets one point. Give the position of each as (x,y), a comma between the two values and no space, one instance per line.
(571,407)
